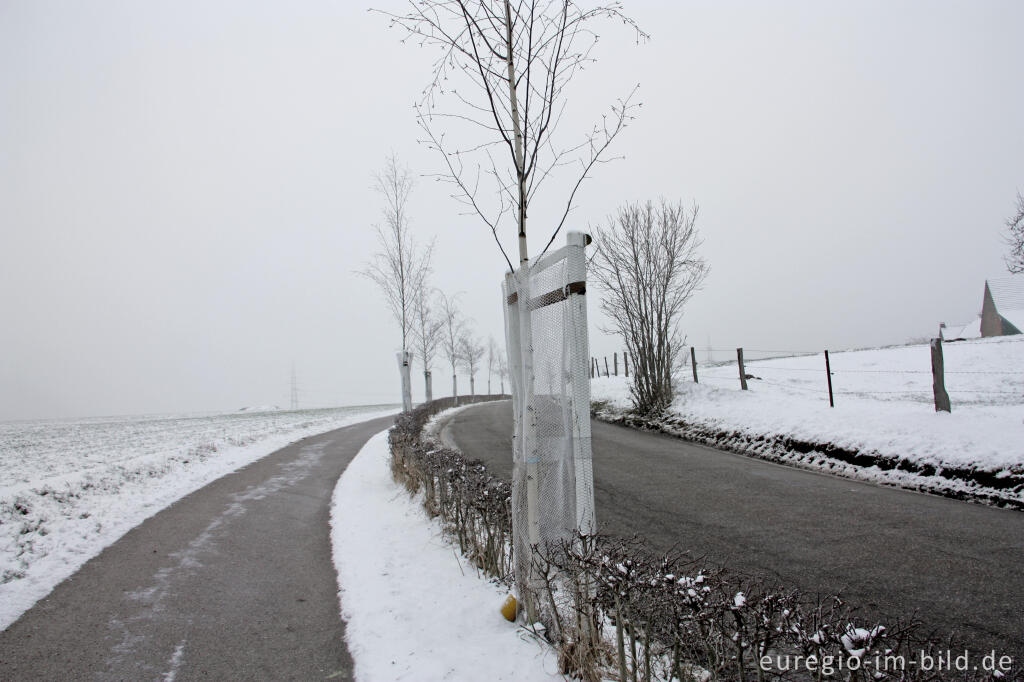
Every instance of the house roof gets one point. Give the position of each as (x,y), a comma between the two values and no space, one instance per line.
(971,330)
(1008,296)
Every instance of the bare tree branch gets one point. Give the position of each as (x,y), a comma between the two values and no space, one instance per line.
(401,267)
(647,263)
(471,352)
(517,60)
(1015,238)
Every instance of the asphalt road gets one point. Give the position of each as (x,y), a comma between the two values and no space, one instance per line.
(892,551)
(233,582)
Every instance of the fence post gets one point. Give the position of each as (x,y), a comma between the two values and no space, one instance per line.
(606,366)
(828,373)
(939,378)
(693,364)
(743,372)
(591,368)
(625,362)
(615,361)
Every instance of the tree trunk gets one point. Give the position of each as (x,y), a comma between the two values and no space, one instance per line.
(428,385)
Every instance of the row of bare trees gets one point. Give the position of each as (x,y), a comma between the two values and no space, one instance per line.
(429,320)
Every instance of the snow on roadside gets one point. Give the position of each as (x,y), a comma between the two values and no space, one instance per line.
(69,489)
(414,609)
(433,429)
(883,411)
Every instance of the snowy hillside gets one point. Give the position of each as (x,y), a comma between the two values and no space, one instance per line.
(883,427)
(70,488)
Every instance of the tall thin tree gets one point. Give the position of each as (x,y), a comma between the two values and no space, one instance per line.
(500,89)
(401,266)
(451,332)
(502,372)
(471,353)
(492,360)
(1015,238)
(427,326)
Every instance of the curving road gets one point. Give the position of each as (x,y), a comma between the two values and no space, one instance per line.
(893,551)
(234,581)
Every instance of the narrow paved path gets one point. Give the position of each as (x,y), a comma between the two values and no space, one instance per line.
(232,582)
(893,551)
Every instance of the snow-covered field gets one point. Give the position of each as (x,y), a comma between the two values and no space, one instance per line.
(884,410)
(70,488)
(414,609)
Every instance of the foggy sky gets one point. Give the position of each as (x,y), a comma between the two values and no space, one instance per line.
(185,188)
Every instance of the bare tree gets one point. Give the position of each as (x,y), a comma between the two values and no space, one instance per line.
(493,353)
(1015,238)
(648,266)
(452,326)
(502,372)
(471,353)
(427,326)
(401,267)
(502,75)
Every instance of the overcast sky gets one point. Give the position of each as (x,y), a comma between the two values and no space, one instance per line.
(185,187)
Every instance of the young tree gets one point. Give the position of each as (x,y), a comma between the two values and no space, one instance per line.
(648,266)
(502,74)
(471,353)
(452,326)
(1015,238)
(427,326)
(492,360)
(502,371)
(401,266)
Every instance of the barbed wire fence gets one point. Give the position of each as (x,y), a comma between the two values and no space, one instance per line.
(831,380)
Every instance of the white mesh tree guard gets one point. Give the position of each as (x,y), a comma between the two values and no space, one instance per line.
(549,366)
(405,369)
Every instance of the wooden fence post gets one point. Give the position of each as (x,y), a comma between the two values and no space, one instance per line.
(743,372)
(615,361)
(939,378)
(693,364)
(828,373)
(625,362)
(606,366)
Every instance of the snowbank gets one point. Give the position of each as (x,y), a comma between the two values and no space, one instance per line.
(68,489)
(414,609)
(883,427)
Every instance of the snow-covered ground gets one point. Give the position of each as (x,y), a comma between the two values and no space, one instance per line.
(414,609)
(884,410)
(70,488)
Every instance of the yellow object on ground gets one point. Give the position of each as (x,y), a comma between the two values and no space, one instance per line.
(508,608)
